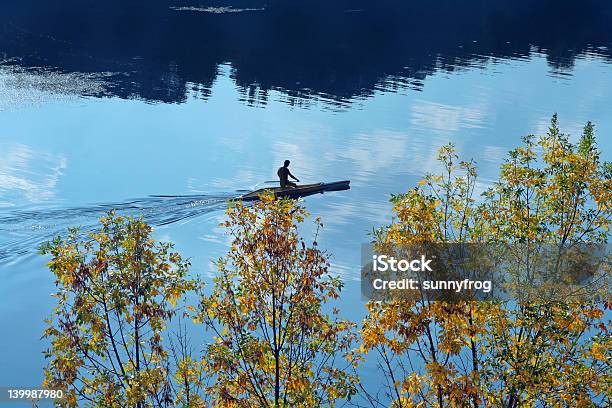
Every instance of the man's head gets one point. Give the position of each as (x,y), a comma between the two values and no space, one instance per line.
(287,163)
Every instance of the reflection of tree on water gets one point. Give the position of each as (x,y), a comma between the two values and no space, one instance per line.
(331,50)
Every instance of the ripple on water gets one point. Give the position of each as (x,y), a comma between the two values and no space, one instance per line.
(23,231)
(215,10)
(26,87)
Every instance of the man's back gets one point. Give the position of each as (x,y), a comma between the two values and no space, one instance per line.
(283,175)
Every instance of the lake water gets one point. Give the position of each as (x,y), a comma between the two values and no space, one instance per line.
(105,105)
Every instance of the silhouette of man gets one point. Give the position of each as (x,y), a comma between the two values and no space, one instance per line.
(284,174)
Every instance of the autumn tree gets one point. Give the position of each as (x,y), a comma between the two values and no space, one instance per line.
(116,291)
(550,192)
(422,346)
(274,344)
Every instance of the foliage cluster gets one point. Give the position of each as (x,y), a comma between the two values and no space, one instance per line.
(276,340)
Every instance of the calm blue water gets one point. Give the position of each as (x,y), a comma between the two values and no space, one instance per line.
(84,128)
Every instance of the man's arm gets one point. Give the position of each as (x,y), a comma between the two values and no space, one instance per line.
(293,177)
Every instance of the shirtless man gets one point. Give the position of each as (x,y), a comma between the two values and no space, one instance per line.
(284,174)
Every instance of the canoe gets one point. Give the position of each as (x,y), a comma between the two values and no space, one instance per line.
(299,191)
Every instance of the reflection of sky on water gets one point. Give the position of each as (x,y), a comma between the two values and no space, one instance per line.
(110,149)
(104,150)
(28,175)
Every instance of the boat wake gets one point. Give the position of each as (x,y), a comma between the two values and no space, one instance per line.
(23,231)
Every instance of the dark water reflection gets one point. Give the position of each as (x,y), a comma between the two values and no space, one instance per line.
(336,51)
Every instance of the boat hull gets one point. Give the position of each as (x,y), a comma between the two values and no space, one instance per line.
(299,191)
